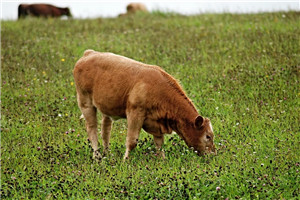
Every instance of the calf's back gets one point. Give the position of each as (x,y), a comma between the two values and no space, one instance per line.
(116,83)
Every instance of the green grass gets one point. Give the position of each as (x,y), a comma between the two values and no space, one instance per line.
(241,71)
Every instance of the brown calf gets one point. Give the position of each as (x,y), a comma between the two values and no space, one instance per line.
(42,10)
(146,95)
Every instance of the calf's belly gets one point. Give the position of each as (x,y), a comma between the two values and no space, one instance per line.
(113,109)
(110,104)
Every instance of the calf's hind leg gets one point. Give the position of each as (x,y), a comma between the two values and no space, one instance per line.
(89,112)
(105,131)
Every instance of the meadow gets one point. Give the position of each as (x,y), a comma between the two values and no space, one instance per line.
(240,70)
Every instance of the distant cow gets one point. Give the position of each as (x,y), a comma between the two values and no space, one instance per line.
(42,10)
(133,8)
(146,95)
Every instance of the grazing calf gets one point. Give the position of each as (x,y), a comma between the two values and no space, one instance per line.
(145,95)
(42,10)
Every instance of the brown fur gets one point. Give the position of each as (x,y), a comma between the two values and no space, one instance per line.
(42,10)
(146,95)
(133,8)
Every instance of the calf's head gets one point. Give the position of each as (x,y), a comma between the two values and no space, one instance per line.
(200,136)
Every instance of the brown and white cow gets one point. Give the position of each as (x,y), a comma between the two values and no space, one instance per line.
(145,95)
(42,10)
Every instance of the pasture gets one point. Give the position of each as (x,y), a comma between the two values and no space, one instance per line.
(241,71)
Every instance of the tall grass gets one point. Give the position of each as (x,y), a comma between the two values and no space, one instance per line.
(241,71)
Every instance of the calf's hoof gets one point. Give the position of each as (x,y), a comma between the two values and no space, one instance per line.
(97,155)
(125,158)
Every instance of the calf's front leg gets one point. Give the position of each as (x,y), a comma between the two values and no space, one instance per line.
(158,141)
(135,122)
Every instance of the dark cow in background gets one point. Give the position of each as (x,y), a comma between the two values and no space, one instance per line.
(42,10)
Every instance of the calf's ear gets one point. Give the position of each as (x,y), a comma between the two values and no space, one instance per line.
(199,122)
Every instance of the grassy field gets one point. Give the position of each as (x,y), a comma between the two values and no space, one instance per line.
(241,71)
